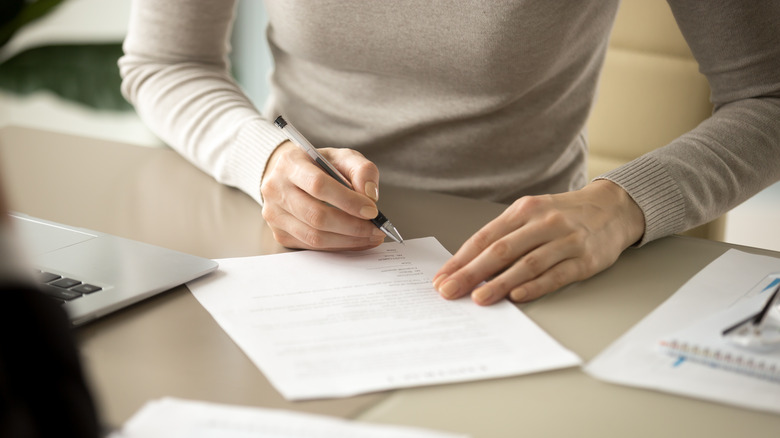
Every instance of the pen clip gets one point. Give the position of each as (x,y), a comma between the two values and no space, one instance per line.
(299,140)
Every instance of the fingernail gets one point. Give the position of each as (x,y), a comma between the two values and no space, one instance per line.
(369,212)
(372,191)
(518,295)
(438,279)
(449,288)
(378,233)
(483,295)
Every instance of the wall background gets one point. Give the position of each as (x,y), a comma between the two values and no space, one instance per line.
(251,57)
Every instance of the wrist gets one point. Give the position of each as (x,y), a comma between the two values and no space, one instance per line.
(631,218)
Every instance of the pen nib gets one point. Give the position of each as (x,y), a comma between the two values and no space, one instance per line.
(391,232)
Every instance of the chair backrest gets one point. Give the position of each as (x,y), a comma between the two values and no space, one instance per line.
(650,92)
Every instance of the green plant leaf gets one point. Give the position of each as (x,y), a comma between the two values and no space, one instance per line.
(16,14)
(84,73)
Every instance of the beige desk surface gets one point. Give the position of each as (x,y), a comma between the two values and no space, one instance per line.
(170,346)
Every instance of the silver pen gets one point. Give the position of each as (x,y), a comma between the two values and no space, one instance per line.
(299,140)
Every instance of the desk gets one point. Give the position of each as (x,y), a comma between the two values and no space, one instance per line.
(170,346)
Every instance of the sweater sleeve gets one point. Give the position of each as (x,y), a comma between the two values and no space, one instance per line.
(175,71)
(736,152)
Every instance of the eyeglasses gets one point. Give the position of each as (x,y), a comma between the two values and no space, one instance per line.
(760,331)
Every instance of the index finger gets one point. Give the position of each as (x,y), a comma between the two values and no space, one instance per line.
(361,172)
(313,180)
(507,222)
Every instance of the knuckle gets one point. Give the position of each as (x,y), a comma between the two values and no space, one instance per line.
(502,251)
(354,152)
(269,188)
(526,203)
(533,264)
(315,183)
(330,152)
(312,238)
(309,181)
(521,203)
(268,217)
(587,263)
(522,208)
(481,239)
(581,235)
(581,249)
(366,167)
(314,217)
(555,219)
(270,214)
(558,279)
(346,153)
(591,264)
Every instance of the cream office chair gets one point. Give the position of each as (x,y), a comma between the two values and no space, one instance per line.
(651,91)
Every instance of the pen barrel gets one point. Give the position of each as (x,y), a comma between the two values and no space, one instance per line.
(299,140)
(332,172)
(379,220)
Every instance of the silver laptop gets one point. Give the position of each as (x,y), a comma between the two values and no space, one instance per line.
(93,274)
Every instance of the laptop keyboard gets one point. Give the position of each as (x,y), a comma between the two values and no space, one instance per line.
(62,288)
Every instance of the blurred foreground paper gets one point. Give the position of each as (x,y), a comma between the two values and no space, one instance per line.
(322,324)
(175,418)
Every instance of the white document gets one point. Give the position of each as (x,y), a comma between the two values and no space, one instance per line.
(635,359)
(322,324)
(176,418)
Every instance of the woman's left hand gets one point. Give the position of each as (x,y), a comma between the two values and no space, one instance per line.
(542,243)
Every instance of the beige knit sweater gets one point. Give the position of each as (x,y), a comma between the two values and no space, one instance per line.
(479,98)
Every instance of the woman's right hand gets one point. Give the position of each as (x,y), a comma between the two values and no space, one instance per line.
(306,208)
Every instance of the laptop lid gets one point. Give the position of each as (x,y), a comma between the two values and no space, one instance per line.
(121,271)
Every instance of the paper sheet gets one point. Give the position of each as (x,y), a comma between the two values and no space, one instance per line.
(176,418)
(703,341)
(322,324)
(635,360)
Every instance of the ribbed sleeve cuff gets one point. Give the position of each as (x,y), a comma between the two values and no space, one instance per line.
(656,193)
(249,154)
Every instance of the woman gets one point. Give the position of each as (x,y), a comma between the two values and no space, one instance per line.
(481,99)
